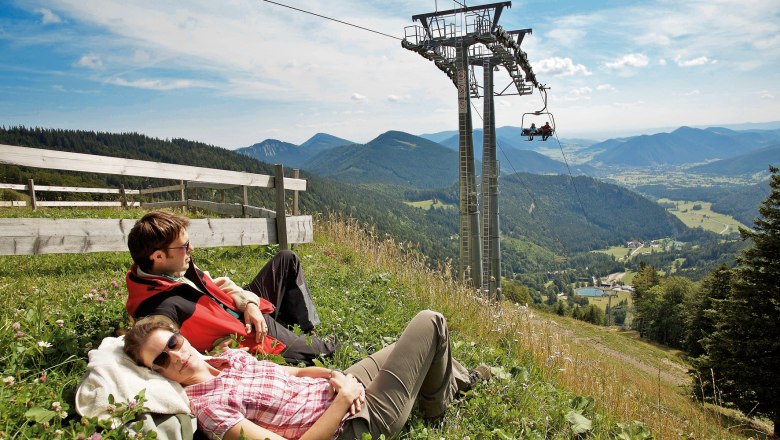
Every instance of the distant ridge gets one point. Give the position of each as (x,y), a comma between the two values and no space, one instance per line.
(291,155)
(394,157)
(757,161)
(683,145)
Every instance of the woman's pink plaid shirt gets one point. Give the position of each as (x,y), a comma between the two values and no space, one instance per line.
(262,392)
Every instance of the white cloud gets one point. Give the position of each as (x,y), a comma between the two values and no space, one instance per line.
(692,93)
(605,87)
(578,94)
(48,17)
(631,60)
(357,97)
(560,67)
(155,84)
(766,95)
(398,98)
(700,61)
(90,61)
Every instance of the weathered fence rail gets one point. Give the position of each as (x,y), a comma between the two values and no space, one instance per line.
(37,236)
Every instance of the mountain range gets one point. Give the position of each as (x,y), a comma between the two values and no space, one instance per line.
(399,158)
(755,161)
(559,213)
(684,145)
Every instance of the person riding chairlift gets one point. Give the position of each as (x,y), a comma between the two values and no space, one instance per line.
(546,131)
(531,132)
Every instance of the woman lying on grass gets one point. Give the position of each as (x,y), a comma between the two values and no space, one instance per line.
(234,392)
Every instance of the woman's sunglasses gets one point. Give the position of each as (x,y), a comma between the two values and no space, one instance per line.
(163,360)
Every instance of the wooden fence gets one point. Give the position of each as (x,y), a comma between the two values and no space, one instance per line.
(40,235)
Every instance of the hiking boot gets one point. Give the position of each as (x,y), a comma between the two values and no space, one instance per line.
(480,374)
(435,421)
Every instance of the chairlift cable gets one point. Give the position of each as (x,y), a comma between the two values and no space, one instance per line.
(534,205)
(332,19)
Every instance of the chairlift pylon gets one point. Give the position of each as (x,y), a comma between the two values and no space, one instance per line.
(533,130)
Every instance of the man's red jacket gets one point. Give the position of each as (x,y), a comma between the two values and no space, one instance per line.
(203,318)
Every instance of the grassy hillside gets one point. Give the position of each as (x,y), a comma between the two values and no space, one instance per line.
(555,378)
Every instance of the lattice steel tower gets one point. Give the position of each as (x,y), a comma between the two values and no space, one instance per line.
(454,40)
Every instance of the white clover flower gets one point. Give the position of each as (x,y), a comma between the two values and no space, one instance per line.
(44,344)
(8,380)
(56,406)
(59,322)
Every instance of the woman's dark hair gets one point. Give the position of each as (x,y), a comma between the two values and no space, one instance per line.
(137,336)
(154,231)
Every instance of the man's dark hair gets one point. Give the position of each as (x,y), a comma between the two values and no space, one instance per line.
(137,336)
(155,230)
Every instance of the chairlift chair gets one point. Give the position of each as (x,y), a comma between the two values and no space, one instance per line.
(526,130)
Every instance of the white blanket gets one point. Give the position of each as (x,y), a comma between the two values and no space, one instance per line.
(111,371)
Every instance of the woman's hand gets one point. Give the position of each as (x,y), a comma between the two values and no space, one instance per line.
(349,388)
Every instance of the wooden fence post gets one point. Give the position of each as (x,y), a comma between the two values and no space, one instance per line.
(244,200)
(122,196)
(31,186)
(183,192)
(281,215)
(296,173)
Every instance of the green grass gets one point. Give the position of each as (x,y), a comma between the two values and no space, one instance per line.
(619,252)
(551,380)
(602,301)
(704,217)
(431,204)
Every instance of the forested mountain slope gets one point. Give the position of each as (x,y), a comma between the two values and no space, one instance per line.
(757,161)
(392,158)
(291,155)
(684,145)
(545,210)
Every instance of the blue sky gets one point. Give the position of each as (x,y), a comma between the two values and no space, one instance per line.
(235,72)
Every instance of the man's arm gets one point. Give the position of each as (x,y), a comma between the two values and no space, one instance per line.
(242,297)
(246,302)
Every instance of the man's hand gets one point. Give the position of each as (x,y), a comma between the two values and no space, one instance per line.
(254,318)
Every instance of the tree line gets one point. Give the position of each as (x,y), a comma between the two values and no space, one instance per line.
(728,322)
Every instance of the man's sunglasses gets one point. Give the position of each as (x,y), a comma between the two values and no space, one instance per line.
(163,360)
(185,247)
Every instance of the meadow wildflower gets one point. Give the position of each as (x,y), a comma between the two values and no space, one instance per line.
(44,344)
(60,322)
(19,335)
(8,380)
(16,326)
(56,406)
(114,284)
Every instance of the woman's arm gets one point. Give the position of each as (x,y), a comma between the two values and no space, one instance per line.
(308,371)
(323,428)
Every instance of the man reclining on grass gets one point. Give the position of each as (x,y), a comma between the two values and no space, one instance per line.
(165,285)
(234,393)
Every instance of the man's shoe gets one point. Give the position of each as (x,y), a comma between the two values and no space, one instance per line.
(435,421)
(480,374)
